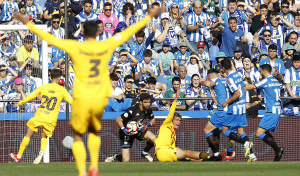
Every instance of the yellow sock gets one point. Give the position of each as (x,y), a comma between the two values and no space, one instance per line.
(23,145)
(43,144)
(79,153)
(94,143)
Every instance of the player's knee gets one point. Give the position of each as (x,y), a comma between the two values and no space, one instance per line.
(230,144)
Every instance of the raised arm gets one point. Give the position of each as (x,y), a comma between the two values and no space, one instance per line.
(31,96)
(172,109)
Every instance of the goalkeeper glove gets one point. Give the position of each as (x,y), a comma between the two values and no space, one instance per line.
(125,131)
(148,124)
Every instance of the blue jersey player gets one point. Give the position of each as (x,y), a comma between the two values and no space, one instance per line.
(235,119)
(269,122)
(214,126)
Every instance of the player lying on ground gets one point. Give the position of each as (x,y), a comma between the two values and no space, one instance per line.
(137,113)
(269,122)
(46,115)
(92,85)
(165,149)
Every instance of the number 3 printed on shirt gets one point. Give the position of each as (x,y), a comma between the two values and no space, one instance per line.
(95,70)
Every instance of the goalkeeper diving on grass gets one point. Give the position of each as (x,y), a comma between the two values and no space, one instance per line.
(46,115)
(165,149)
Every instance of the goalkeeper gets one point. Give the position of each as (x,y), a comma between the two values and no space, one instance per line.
(46,115)
(165,149)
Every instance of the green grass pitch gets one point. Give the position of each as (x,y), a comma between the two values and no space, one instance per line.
(158,169)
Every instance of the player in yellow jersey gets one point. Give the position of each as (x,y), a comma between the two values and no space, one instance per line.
(92,85)
(165,149)
(46,115)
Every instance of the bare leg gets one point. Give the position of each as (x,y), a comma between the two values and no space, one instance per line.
(125,155)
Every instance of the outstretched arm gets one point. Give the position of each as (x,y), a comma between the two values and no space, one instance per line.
(172,109)
(31,96)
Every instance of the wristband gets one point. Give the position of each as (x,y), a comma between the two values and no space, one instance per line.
(149,124)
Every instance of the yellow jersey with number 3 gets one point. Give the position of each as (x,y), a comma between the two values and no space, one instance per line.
(91,59)
(51,96)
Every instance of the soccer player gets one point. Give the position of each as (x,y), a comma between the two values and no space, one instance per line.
(165,149)
(46,115)
(214,125)
(92,85)
(235,119)
(269,122)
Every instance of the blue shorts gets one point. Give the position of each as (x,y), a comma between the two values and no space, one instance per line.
(217,119)
(269,122)
(234,121)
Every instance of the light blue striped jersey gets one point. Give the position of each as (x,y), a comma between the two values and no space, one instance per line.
(193,20)
(234,82)
(80,18)
(271,88)
(204,56)
(253,74)
(241,17)
(289,18)
(197,105)
(277,35)
(141,65)
(278,64)
(8,10)
(33,11)
(292,77)
(180,58)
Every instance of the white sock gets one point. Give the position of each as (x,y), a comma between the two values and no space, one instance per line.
(217,154)
(42,153)
(145,153)
(19,156)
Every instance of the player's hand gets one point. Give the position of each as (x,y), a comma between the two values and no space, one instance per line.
(275,73)
(224,104)
(20,17)
(154,12)
(177,94)
(125,131)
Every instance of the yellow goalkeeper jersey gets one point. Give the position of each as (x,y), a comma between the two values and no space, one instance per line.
(51,96)
(91,59)
(166,134)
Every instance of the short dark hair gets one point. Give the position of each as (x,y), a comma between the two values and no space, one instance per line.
(285,2)
(141,33)
(176,78)
(144,96)
(177,114)
(147,53)
(294,32)
(90,29)
(155,4)
(266,67)
(246,58)
(87,2)
(296,57)
(267,30)
(231,1)
(212,71)
(272,47)
(122,50)
(226,63)
(297,14)
(107,4)
(151,80)
(28,66)
(55,16)
(127,77)
(113,77)
(99,22)
(55,73)
(232,18)
(263,6)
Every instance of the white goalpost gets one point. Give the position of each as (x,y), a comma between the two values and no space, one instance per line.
(10,122)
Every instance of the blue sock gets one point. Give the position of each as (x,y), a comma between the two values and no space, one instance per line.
(227,133)
(208,134)
(262,136)
(229,151)
(243,135)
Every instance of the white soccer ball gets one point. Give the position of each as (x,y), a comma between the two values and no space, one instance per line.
(132,127)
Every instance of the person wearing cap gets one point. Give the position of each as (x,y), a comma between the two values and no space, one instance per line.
(203,54)
(8,7)
(7,48)
(287,60)
(196,24)
(262,55)
(5,82)
(165,58)
(238,57)
(217,63)
(181,56)
(292,40)
(168,32)
(27,51)
(17,93)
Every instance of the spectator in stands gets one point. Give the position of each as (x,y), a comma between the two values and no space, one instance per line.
(238,57)
(28,51)
(196,25)
(117,92)
(181,56)
(247,71)
(17,93)
(55,29)
(50,7)
(176,17)
(292,80)
(195,90)
(29,80)
(87,14)
(141,89)
(213,51)
(129,92)
(155,21)
(284,11)
(292,40)
(221,56)
(103,35)
(147,68)
(243,43)
(278,67)
(118,71)
(138,47)
(8,7)
(263,45)
(171,93)
(6,48)
(263,18)
(184,78)
(124,64)
(33,10)
(165,59)
(128,14)
(13,64)
(287,60)
(154,93)
(296,26)
(110,20)
(5,83)
(193,65)
(203,54)
(276,28)
(168,32)
(52,57)
(71,74)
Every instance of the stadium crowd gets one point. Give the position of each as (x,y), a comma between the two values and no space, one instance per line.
(187,39)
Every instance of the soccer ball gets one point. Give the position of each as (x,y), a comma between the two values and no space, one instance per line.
(132,127)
